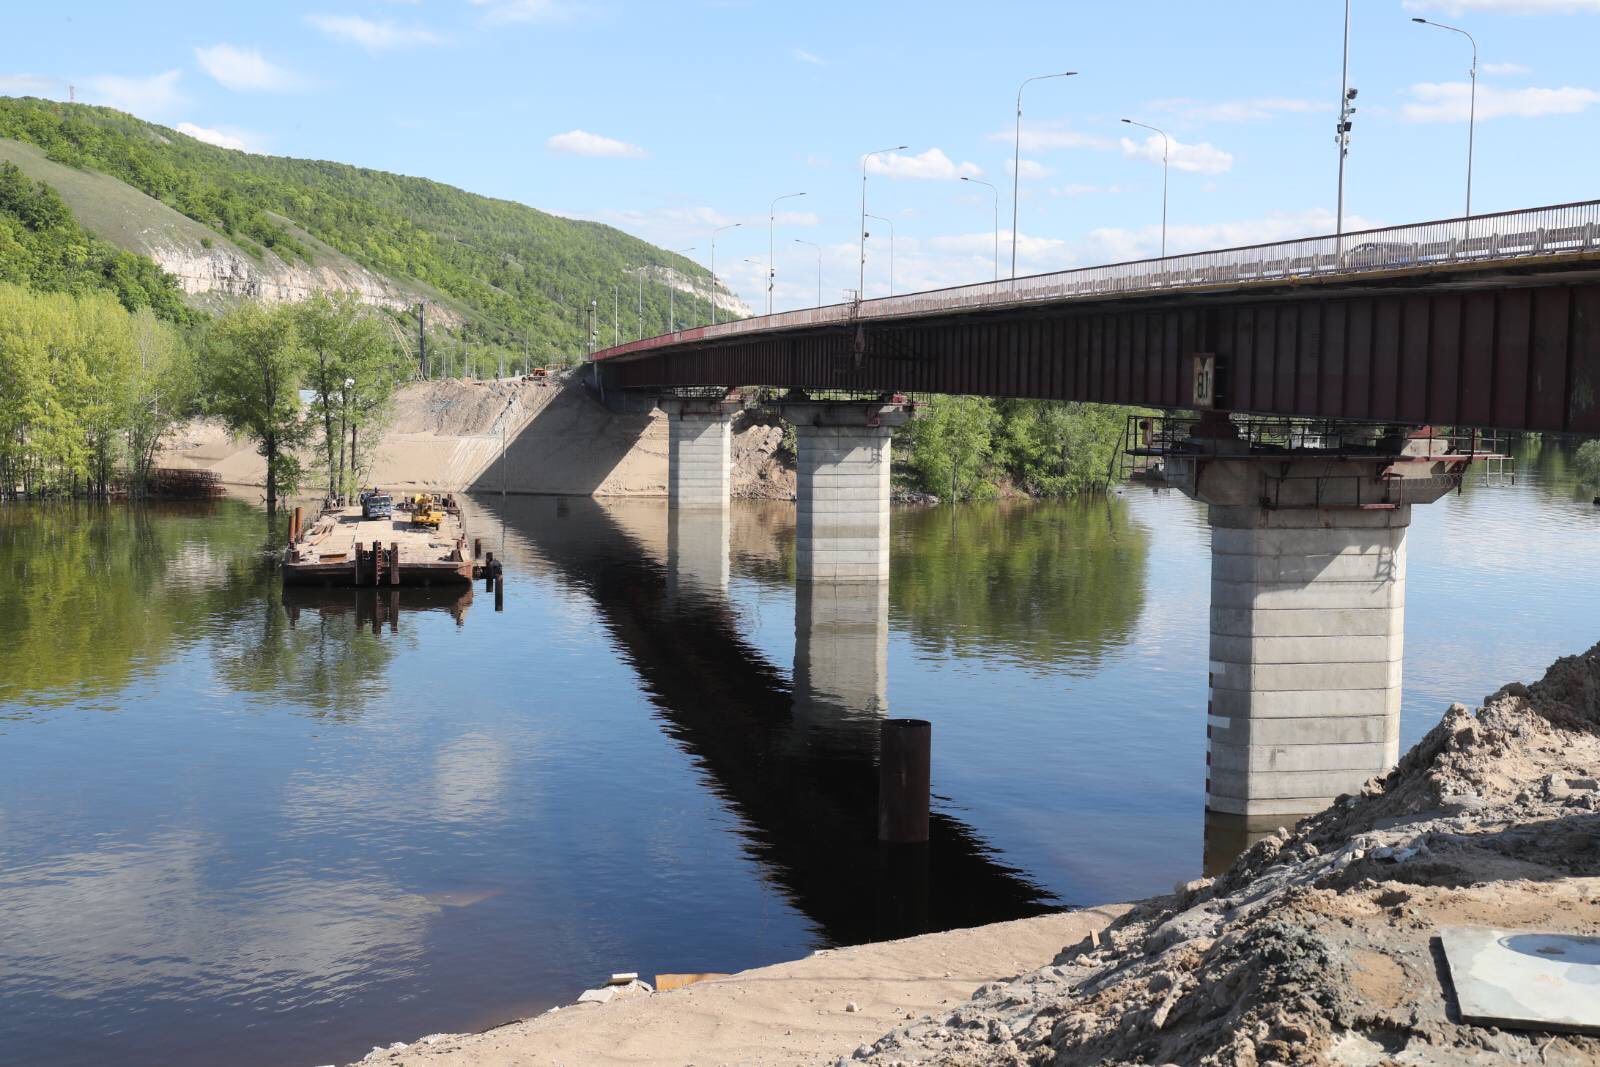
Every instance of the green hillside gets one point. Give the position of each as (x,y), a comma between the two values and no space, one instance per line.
(503,267)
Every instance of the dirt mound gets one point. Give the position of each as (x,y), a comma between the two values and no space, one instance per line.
(761,469)
(1321,947)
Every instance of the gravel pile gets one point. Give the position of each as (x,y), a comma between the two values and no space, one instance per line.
(1320,947)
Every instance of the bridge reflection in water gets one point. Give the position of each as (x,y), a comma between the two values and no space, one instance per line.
(795,762)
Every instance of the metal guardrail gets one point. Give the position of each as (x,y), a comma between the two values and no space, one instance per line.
(1556,230)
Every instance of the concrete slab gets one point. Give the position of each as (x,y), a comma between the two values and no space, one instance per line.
(1525,979)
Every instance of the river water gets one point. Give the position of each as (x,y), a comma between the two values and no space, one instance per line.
(279,830)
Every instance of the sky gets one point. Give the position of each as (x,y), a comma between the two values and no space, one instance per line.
(671,118)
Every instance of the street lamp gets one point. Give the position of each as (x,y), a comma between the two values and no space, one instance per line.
(861,278)
(1166,147)
(1016,159)
(772,214)
(713,293)
(996,192)
(818,247)
(1341,131)
(880,218)
(1472,105)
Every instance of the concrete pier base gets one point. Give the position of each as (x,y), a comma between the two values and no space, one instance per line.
(1307,633)
(698,440)
(842,488)
(1308,579)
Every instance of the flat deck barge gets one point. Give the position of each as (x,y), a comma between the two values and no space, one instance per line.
(342,548)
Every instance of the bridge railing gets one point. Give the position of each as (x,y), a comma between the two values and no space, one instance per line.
(1543,231)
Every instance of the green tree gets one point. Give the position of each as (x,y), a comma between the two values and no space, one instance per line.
(353,368)
(254,365)
(951,442)
(164,391)
(1587,462)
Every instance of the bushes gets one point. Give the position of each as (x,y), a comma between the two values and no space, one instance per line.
(963,447)
(1587,462)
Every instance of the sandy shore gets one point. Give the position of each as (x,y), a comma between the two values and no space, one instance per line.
(789,1013)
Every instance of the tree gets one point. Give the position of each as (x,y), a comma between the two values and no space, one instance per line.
(163,391)
(951,443)
(253,370)
(353,369)
(1587,461)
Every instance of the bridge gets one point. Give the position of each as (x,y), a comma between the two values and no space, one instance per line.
(1320,374)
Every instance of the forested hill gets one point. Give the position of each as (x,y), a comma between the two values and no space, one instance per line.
(500,269)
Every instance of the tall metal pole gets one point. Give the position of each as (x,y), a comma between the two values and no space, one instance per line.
(861,276)
(641,302)
(616,315)
(880,218)
(713,291)
(1016,160)
(1472,105)
(1166,148)
(1342,131)
(818,247)
(772,214)
(996,192)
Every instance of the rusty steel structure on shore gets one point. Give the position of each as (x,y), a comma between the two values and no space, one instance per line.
(1491,321)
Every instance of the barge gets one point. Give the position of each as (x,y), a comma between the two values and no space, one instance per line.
(422,542)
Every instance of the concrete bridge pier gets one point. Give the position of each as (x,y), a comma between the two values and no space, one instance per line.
(842,487)
(698,439)
(1308,578)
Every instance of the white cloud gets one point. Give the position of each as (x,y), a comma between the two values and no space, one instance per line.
(1031,169)
(156,95)
(930,164)
(247,69)
(503,11)
(1253,109)
(1045,136)
(797,218)
(371,35)
(1504,69)
(808,57)
(31,85)
(1195,158)
(221,138)
(1450,102)
(1506,7)
(584,143)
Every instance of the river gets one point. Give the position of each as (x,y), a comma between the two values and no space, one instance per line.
(272,829)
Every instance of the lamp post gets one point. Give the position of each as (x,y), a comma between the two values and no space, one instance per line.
(772,214)
(996,192)
(713,292)
(1166,148)
(861,277)
(1016,159)
(1341,131)
(1472,104)
(818,247)
(672,298)
(880,218)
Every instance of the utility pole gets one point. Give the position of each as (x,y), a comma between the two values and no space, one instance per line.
(422,339)
(1341,133)
(641,302)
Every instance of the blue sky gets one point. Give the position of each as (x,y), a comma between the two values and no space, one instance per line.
(669,119)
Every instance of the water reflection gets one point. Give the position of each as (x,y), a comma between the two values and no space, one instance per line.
(796,765)
(1052,588)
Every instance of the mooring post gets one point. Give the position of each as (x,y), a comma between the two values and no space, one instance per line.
(355,564)
(297,525)
(488,572)
(477,548)
(499,592)
(903,755)
(394,562)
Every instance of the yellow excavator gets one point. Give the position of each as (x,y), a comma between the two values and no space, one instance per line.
(425,512)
